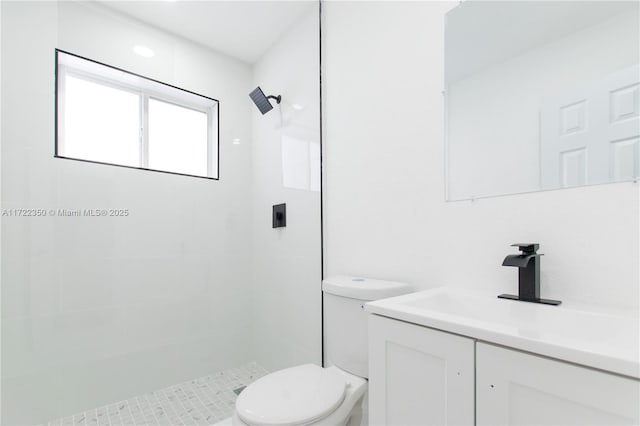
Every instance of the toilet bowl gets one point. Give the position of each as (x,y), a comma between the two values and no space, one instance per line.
(309,394)
(302,395)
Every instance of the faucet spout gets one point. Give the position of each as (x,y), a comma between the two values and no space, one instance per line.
(528,264)
(519,260)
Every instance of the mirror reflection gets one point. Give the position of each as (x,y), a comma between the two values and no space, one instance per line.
(541,95)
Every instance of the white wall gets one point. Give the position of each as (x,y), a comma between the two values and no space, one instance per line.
(385,214)
(286,261)
(98,309)
(493,115)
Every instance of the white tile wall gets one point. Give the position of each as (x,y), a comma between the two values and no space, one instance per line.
(286,261)
(95,310)
(202,401)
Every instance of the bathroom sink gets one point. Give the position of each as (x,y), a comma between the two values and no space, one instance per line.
(595,337)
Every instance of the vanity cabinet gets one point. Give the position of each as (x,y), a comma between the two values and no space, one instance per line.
(419,376)
(422,376)
(514,387)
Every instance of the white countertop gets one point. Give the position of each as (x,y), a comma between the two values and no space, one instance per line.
(604,339)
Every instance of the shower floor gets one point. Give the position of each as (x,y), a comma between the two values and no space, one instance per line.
(202,401)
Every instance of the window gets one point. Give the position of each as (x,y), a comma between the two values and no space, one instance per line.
(110,116)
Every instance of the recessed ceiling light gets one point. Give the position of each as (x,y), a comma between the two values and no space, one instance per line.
(144,51)
(236,141)
(297,107)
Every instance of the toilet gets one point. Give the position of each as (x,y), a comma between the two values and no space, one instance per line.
(309,394)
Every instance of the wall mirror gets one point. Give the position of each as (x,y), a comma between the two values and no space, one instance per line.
(541,95)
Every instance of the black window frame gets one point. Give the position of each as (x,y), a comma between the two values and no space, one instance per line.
(215,135)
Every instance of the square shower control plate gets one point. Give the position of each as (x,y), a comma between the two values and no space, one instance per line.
(279,219)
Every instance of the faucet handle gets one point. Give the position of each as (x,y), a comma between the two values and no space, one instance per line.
(527,248)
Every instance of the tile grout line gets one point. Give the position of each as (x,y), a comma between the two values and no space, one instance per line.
(119,420)
(184,409)
(108,416)
(140,412)
(211,401)
(175,413)
(212,393)
(151,407)
(208,414)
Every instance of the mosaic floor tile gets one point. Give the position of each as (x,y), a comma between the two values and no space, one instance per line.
(202,401)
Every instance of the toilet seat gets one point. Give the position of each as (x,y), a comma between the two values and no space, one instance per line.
(293,396)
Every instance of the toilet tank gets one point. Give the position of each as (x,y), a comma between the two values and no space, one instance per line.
(345,320)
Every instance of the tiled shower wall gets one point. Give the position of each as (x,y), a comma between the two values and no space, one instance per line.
(195,279)
(287,261)
(96,309)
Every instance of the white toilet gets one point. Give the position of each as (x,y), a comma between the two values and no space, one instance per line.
(312,395)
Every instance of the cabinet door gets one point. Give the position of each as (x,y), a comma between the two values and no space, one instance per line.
(419,376)
(516,388)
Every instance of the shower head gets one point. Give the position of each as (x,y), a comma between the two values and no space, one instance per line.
(262,101)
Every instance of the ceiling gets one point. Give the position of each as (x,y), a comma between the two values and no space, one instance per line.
(241,29)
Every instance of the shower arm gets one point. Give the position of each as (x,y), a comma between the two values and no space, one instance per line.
(277,98)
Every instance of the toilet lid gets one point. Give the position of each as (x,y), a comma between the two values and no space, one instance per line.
(293,396)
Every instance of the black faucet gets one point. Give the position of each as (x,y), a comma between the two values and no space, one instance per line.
(528,263)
